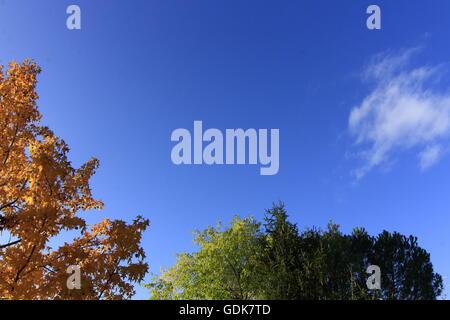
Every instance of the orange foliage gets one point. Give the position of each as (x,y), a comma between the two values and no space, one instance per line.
(40,197)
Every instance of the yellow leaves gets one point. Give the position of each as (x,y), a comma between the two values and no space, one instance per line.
(41,195)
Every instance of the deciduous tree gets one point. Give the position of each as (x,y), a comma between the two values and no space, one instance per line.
(223,268)
(41,196)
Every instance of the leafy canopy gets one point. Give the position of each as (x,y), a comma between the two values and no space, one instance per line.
(223,268)
(275,260)
(41,195)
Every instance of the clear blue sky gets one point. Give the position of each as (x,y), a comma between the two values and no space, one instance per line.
(140,69)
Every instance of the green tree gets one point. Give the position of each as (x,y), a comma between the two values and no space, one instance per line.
(311,264)
(223,268)
(280,262)
(407,272)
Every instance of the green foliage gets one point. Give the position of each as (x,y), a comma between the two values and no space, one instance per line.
(276,261)
(407,270)
(223,268)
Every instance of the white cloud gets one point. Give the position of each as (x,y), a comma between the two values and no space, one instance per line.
(401,112)
(429,156)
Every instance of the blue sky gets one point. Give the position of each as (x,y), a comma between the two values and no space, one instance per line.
(363,114)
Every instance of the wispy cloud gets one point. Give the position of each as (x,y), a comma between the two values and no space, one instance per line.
(404,110)
(429,156)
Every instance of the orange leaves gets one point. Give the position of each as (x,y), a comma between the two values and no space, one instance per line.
(41,195)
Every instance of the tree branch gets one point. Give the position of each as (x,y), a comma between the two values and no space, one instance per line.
(10,244)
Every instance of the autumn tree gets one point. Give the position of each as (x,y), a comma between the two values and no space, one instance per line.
(41,196)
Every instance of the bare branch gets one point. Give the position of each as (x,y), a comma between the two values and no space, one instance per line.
(10,244)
